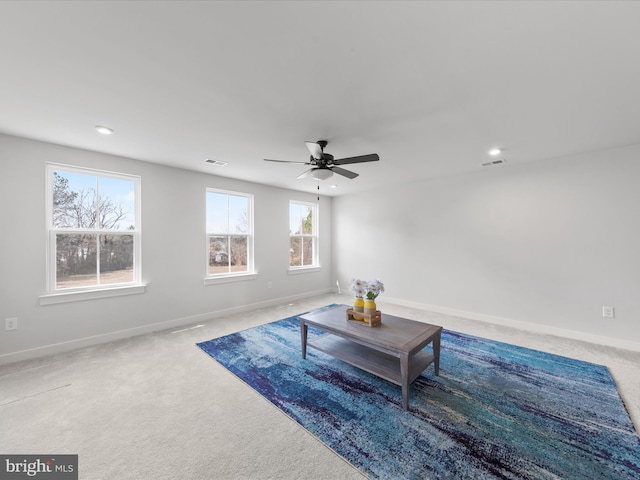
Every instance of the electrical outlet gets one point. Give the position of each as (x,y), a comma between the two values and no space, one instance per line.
(10,324)
(269,285)
(607,312)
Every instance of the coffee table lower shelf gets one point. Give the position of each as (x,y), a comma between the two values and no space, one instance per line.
(376,362)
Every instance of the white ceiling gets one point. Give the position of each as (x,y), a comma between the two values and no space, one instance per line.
(429,86)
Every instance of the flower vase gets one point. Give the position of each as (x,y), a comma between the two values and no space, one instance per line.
(358,306)
(369,307)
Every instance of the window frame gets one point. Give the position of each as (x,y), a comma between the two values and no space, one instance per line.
(315,236)
(59,295)
(223,277)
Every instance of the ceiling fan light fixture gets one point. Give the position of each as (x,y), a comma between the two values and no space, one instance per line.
(321,173)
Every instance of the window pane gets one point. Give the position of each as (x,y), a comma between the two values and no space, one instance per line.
(307,251)
(218,255)
(76,262)
(295,252)
(117,203)
(74,200)
(228,215)
(306,220)
(300,219)
(217,212)
(94,227)
(294,218)
(302,235)
(116,259)
(238,214)
(238,254)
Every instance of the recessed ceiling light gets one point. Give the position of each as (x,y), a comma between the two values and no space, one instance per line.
(104,130)
(334,186)
(495,151)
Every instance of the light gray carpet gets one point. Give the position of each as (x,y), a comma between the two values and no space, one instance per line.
(156,407)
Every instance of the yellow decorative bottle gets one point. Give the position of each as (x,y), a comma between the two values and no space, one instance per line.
(358,306)
(369,307)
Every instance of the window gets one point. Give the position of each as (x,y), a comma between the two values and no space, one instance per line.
(303,235)
(229,233)
(94,229)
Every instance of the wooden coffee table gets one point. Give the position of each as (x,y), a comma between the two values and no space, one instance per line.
(391,351)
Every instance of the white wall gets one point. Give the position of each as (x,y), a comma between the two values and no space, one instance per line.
(547,243)
(173,255)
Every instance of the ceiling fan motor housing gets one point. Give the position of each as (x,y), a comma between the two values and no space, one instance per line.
(327,159)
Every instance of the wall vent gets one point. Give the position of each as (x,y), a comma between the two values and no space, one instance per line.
(493,163)
(217,163)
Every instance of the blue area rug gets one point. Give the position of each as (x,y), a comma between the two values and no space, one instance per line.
(495,411)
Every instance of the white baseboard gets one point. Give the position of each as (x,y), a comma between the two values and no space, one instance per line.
(75,344)
(531,327)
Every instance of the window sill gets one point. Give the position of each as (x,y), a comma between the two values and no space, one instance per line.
(78,296)
(299,270)
(239,277)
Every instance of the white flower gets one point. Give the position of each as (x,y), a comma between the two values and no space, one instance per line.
(358,287)
(374,288)
(371,289)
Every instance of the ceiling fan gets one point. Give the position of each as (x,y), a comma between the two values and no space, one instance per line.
(323,165)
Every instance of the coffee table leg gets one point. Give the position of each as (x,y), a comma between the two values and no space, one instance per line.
(436,354)
(303,337)
(404,373)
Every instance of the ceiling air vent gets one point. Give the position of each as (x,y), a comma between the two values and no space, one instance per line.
(217,163)
(493,163)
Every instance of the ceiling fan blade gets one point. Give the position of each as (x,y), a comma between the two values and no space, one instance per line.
(315,149)
(344,173)
(305,174)
(286,161)
(373,157)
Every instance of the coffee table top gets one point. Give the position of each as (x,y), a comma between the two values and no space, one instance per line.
(395,334)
